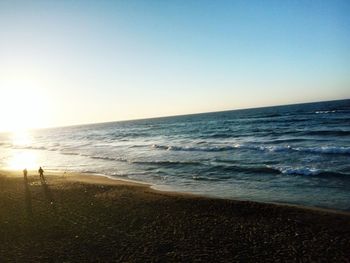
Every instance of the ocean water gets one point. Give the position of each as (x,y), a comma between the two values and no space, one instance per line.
(297,154)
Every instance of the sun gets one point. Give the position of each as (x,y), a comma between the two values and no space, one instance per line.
(22,109)
(24,98)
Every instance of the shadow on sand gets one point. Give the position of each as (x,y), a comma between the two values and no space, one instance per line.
(28,198)
(47,192)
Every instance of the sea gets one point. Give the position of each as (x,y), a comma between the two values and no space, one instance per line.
(294,154)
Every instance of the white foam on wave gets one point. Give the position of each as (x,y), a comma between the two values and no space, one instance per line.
(325,111)
(321,149)
(326,149)
(190,148)
(284,148)
(298,170)
(265,148)
(269,148)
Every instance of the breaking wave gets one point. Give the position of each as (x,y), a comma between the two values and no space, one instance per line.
(309,172)
(266,148)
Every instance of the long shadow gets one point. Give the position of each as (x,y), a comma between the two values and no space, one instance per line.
(48,193)
(28,198)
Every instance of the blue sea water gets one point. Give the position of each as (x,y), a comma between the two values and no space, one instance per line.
(297,154)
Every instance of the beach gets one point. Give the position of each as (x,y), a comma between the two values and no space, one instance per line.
(175,131)
(298,155)
(70,217)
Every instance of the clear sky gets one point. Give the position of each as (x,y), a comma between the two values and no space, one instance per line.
(70,62)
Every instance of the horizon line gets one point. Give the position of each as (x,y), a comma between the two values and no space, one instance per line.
(176,115)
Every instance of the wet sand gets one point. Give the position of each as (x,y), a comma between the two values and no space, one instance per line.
(77,218)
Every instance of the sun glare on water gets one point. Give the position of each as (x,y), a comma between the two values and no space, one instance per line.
(22,158)
(21,138)
(24,105)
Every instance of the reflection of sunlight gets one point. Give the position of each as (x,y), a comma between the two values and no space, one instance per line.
(24,158)
(21,138)
(21,160)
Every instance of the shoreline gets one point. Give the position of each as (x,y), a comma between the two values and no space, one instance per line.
(99,179)
(95,178)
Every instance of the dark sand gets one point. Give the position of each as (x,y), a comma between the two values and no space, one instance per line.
(70,219)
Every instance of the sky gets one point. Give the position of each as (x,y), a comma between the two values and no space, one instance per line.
(74,62)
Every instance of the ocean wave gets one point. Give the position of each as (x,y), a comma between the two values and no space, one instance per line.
(137,146)
(288,140)
(309,171)
(269,115)
(218,135)
(167,163)
(286,148)
(334,150)
(30,147)
(89,172)
(126,135)
(325,149)
(265,148)
(302,171)
(328,133)
(70,153)
(106,158)
(211,178)
(243,169)
(190,148)
(325,111)
(297,170)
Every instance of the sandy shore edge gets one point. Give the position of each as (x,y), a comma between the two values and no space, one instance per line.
(101,179)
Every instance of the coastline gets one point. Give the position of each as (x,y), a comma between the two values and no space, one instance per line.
(105,179)
(101,179)
(75,217)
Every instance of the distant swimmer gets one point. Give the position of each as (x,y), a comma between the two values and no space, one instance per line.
(41,173)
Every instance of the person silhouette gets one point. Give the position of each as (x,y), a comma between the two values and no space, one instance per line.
(41,173)
(25,172)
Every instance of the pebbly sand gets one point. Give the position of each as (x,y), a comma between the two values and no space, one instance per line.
(77,218)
